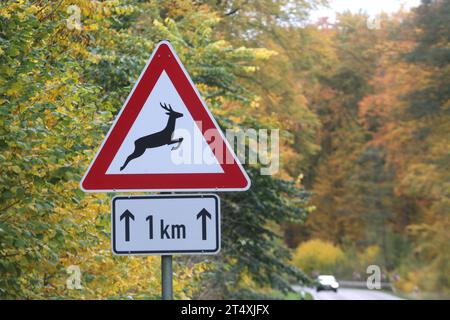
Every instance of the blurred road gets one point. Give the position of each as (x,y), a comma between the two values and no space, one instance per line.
(349,294)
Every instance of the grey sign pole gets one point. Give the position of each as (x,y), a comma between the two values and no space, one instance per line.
(166,278)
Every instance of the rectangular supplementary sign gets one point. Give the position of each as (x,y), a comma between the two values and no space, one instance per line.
(166,224)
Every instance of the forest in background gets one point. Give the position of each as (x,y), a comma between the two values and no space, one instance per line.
(364,119)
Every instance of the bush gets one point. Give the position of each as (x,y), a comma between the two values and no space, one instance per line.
(317,256)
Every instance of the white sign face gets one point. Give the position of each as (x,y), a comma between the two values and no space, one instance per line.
(166,224)
(165,159)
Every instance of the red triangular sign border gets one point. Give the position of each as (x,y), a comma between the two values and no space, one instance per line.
(163,58)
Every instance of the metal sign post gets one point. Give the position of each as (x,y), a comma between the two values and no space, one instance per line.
(166,278)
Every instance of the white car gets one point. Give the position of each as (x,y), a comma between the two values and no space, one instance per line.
(327,282)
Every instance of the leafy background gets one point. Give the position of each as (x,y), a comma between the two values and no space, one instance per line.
(364,119)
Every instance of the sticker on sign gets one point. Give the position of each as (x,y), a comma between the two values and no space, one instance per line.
(166,224)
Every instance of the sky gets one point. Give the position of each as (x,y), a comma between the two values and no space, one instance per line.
(371,7)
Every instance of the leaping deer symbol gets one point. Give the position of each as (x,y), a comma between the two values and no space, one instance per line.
(157,139)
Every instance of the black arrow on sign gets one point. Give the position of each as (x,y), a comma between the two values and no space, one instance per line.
(127,215)
(203,214)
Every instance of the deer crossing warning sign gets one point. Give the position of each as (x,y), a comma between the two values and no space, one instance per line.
(164,138)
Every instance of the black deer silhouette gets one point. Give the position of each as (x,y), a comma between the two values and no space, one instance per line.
(157,139)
